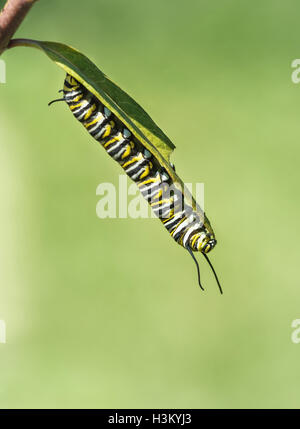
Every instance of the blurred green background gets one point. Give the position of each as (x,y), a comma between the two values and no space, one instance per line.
(107,313)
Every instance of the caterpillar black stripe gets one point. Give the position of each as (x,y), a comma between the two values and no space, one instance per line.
(181,220)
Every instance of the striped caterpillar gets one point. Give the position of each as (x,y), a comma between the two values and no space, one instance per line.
(187,224)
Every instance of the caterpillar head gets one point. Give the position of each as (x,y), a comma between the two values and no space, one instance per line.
(208,244)
(204,242)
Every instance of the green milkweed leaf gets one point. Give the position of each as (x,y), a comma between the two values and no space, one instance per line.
(118,101)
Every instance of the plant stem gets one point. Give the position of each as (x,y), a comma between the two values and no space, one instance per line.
(11,17)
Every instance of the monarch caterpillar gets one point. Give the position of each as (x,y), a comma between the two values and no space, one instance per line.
(187,224)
